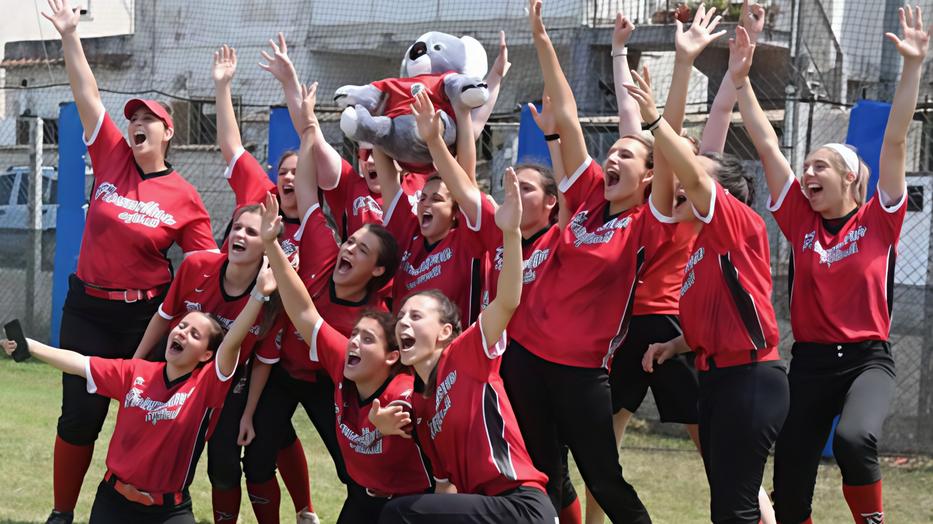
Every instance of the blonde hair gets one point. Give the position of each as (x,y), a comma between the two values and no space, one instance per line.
(858,190)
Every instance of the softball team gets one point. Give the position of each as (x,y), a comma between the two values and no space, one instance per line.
(606,275)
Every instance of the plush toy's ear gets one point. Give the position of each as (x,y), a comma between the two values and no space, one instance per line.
(476,63)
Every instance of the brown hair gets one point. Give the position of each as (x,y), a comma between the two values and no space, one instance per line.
(388,257)
(647,141)
(283,157)
(546,179)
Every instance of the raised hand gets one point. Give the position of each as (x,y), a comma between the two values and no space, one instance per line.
(741,52)
(913,46)
(224,65)
(641,92)
(429,122)
(247,432)
(752,19)
(509,214)
(265,280)
(279,64)
(9,346)
(390,420)
(64,17)
(622,32)
(502,65)
(271,220)
(689,44)
(307,116)
(544,119)
(534,17)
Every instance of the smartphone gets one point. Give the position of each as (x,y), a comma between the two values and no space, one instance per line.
(14,332)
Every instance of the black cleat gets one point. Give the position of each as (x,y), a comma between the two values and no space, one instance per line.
(59,517)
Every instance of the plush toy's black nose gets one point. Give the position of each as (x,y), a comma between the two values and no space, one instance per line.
(417,50)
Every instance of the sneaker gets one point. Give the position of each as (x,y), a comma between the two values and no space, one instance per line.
(306,517)
(60,517)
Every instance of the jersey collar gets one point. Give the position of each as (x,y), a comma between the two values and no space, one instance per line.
(146,176)
(342,302)
(835,225)
(368,400)
(534,238)
(169,384)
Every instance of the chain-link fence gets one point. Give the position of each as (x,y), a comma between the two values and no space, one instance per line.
(814,60)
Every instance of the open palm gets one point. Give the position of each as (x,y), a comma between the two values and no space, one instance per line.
(64,17)
(224,65)
(916,39)
(692,42)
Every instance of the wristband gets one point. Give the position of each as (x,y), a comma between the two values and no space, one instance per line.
(653,125)
(551,138)
(258,296)
(623,52)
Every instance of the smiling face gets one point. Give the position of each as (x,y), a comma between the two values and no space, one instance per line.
(149,136)
(286,185)
(537,203)
(435,210)
(358,258)
(244,245)
(420,330)
(369,357)
(189,342)
(626,170)
(826,182)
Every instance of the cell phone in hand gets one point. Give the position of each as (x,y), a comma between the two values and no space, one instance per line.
(14,332)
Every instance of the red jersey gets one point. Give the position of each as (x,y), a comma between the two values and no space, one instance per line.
(841,282)
(577,309)
(725,299)
(535,251)
(453,265)
(317,259)
(250,185)
(466,424)
(134,218)
(400,93)
(198,286)
(658,290)
(386,464)
(161,425)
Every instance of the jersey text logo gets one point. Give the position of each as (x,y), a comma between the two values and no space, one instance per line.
(148,214)
(155,409)
(601,235)
(441,396)
(847,247)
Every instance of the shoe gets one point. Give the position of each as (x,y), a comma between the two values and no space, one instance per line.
(306,517)
(60,517)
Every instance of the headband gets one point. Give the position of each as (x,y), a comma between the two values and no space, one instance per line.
(849,156)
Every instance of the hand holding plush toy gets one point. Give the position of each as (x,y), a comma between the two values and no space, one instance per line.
(450,69)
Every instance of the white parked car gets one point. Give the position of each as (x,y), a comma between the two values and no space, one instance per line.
(14,192)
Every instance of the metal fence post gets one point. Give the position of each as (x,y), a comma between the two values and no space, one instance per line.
(34,223)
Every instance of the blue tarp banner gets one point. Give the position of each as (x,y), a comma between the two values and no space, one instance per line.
(282,137)
(867,122)
(531,145)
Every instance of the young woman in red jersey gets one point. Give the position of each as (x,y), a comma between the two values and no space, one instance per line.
(727,319)
(139,208)
(165,406)
(843,255)
(462,414)
(343,282)
(367,372)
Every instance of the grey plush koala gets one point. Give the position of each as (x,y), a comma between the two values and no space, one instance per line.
(450,68)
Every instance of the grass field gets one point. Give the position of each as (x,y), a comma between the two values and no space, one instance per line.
(666,471)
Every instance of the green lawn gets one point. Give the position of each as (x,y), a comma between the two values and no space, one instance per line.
(666,471)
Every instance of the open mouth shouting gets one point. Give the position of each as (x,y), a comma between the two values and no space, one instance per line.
(680,200)
(353,358)
(238,246)
(288,189)
(344,265)
(406,342)
(175,348)
(426,218)
(814,188)
(612,177)
(139,137)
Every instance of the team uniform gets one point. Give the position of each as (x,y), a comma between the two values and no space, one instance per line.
(295,379)
(132,220)
(149,483)
(841,287)
(556,373)
(382,466)
(453,265)
(655,319)
(468,430)
(728,320)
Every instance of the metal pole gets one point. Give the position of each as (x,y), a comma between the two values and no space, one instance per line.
(34,223)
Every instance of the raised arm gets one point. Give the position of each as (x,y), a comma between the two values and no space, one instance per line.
(466,143)
(629,118)
(83,84)
(572,143)
(777,168)
(278,63)
(388,177)
(294,294)
(720,113)
(497,315)
(68,361)
(688,45)
(500,68)
(913,48)
(430,127)
(306,181)
(229,351)
(228,132)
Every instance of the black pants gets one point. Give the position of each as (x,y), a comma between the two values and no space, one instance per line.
(359,507)
(110,508)
(273,416)
(95,327)
(855,382)
(562,405)
(742,409)
(673,383)
(521,506)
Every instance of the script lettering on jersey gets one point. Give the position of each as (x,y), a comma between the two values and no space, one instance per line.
(846,247)
(601,235)
(192,306)
(529,265)
(369,443)
(429,268)
(156,410)
(148,214)
(226,323)
(367,202)
(441,396)
(690,277)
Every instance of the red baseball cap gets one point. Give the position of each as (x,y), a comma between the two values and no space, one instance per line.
(156,108)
